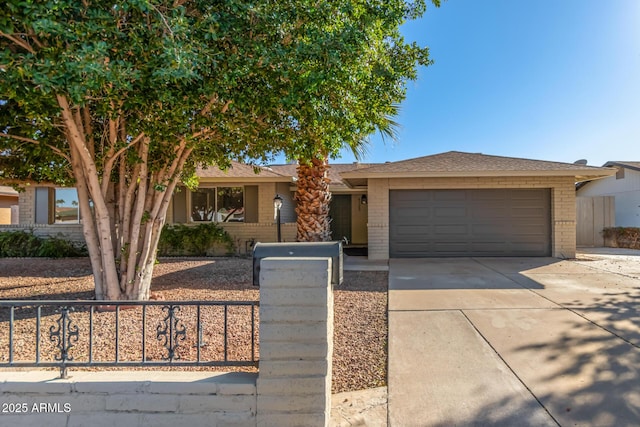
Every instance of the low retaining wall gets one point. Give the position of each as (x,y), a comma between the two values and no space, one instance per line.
(132,398)
(293,387)
(70,232)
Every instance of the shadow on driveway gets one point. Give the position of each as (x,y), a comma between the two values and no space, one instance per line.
(506,341)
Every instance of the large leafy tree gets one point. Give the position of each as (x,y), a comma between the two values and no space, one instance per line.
(124,98)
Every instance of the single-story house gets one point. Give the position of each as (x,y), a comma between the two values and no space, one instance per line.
(624,187)
(238,199)
(468,204)
(8,205)
(449,204)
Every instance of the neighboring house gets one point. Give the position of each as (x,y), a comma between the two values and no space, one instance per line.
(463,204)
(450,204)
(8,205)
(624,186)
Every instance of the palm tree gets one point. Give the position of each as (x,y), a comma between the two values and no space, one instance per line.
(312,193)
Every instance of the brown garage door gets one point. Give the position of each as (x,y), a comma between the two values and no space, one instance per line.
(492,222)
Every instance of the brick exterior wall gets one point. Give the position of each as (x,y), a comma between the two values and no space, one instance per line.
(70,232)
(27,203)
(243,234)
(563,206)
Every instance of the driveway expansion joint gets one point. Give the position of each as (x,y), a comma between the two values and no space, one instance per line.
(513,372)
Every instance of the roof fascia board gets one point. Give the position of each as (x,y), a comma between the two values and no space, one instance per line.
(622,165)
(575,173)
(244,179)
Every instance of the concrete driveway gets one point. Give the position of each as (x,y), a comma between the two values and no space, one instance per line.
(515,341)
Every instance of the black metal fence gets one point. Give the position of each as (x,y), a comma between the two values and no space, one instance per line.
(67,334)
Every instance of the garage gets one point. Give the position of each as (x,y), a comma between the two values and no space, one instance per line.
(469,222)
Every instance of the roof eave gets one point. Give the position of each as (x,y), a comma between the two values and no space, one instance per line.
(622,165)
(584,175)
(603,172)
(257,179)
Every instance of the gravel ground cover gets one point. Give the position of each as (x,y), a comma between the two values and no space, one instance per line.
(360,337)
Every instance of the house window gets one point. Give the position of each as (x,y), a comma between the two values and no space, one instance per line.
(230,207)
(203,204)
(66,209)
(620,173)
(222,204)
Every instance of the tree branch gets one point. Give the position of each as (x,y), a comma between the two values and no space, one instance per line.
(108,166)
(22,43)
(36,142)
(20,138)
(207,107)
(164,20)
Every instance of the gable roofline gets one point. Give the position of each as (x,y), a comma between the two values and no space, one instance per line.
(240,172)
(460,164)
(627,165)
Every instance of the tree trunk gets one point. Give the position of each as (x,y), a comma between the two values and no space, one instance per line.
(313,198)
(124,208)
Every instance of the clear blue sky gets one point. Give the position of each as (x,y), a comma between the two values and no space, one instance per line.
(543,79)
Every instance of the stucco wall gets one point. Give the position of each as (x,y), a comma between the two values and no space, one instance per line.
(6,204)
(626,192)
(563,206)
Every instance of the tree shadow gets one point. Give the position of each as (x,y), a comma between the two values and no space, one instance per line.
(46,267)
(581,364)
(203,273)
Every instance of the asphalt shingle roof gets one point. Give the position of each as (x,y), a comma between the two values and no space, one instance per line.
(238,170)
(335,170)
(456,161)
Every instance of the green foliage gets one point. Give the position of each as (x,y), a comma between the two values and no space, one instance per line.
(18,244)
(198,240)
(25,244)
(55,247)
(623,237)
(128,97)
(237,79)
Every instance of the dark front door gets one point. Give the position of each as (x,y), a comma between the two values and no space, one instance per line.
(340,213)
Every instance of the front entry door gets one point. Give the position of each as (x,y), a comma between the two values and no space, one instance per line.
(340,213)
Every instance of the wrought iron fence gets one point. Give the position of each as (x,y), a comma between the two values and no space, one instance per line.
(68,334)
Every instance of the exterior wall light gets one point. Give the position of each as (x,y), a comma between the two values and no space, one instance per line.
(277,205)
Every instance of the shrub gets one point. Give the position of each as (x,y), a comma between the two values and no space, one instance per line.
(26,244)
(199,240)
(19,244)
(623,237)
(55,247)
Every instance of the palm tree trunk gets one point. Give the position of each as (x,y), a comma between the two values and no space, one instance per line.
(313,197)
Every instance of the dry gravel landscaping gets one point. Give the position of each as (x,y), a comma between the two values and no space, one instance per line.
(360,336)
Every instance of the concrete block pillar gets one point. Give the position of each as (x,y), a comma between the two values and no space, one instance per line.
(296,342)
